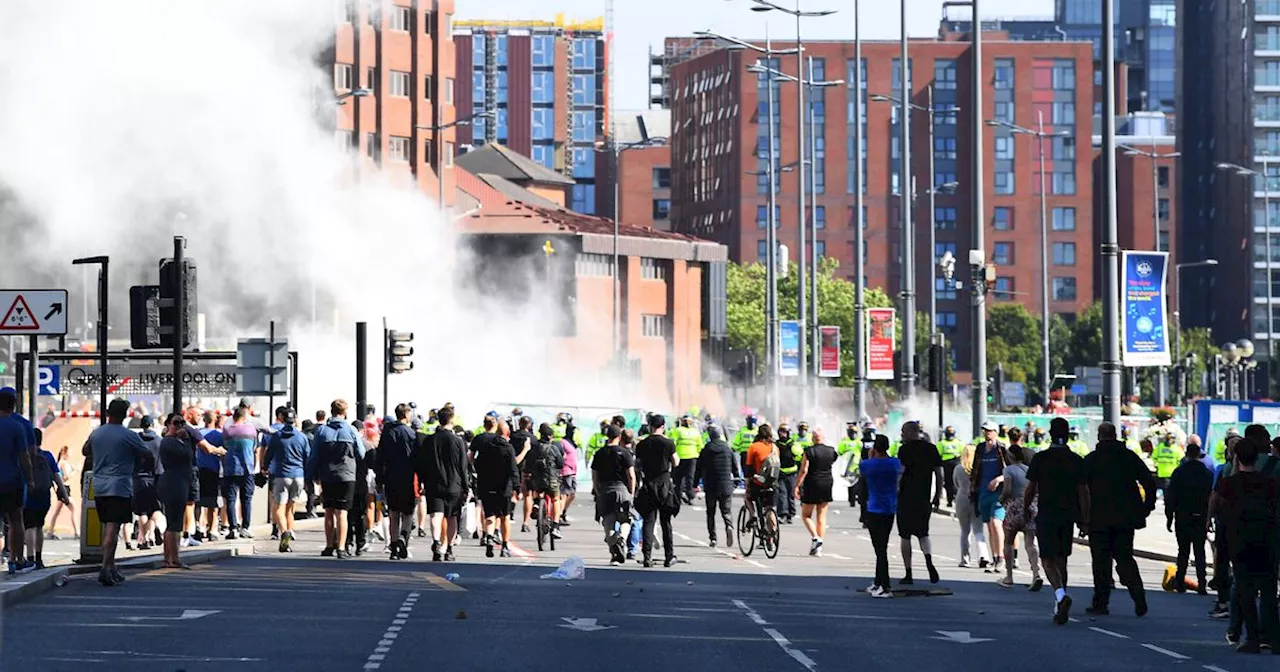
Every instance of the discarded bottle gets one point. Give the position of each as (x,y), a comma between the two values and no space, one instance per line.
(61,580)
(452,577)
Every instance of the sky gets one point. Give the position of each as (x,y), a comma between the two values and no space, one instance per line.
(641,24)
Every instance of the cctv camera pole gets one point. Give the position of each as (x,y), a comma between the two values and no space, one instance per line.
(977,219)
(180,323)
(905,184)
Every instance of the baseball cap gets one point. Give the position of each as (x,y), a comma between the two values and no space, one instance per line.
(612,432)
(990,426)
(290,416)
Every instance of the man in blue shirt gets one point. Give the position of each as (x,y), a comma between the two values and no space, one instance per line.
(288,451)
(115,449)
(15,474)
(240,439)
(208,470)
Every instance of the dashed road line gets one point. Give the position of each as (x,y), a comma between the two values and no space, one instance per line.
(375,659)
(1109,633)
(1213,668)
(721,551)
(1172,654)
(782,642)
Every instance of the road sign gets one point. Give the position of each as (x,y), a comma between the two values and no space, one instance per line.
(50,379)
(1079,389)
(1013,394)
(33,312)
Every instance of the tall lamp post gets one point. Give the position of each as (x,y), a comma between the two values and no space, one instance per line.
(1040,135)
(859,298)
(440,155)
(798,14)
(1177,314)
(1268,258)
(1162,381)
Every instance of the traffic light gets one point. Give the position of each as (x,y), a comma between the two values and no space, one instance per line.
(1219,378)
(998,389)
(169,292)
(399,351)
(144,317)
(937,368)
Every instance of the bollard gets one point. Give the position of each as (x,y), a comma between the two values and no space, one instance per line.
(90,525)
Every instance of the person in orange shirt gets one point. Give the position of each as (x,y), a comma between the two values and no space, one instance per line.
(757,453)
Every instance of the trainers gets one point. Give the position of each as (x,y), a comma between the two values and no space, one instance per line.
(395,549)
(555,533)
(880,593)
(813,547)
(341,554)
(435,552)
(964,564)
(106,579)
(1004,582)
(907,581)
(712,543)
(505,552)
(933,571)
(448,554)
(1036,584)
(284,543)
(983,563)
(1233,638)
(232,535)
(115,573)
(818,551)
(1062,610)
(327,552)
(1249,647)
(524,528)
(1140,605)
(669,561)
(422,534)
(1220,613)
(245,533)
(1098,610)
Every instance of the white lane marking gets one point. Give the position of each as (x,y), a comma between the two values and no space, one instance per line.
(943,557)
(388,639)
(1109,633)
(781,641)
(837,556)
(1167,652)
(1213,668)
(721,551)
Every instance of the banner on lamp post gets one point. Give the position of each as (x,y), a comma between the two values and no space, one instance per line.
(829,352)
(1144,325)
(789,340)
(880,343)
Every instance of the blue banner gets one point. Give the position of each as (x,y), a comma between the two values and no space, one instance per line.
(1144,323)
(790,347)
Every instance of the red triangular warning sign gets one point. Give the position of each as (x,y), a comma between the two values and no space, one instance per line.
(19,317)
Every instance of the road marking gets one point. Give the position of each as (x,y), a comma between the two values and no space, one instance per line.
(1167,652)
(663,615)
(721,551)
(751,613)
(374,661)
(438,582)
(584,624)
(836,556)
(1109,633)
(791,651)
(519,552)
(1214,668)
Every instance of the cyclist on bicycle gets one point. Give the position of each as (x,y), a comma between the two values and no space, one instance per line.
(762,467)
(543,464)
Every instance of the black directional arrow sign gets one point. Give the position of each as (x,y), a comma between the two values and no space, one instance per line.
(33,312)
(53,310)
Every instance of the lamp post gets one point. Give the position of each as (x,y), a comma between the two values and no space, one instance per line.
(1177,314)
(1237,358)
(1162,381)
(771,236)
(977,275)
(104,316)
(341,98)
(1110,230)
(1040,135)
(859,300)
(466,121)
(798,14)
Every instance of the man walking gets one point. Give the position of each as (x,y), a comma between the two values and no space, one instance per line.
(657,500)
(208,475)
(949,450)
(16,477)
(496,477)
(1113,475)
(919,490)
(333,465)
(718,470)
(116,450)
(393,466)
(613,470)
(442,470)
(288,451)
(688,442)
(1186,505)
(1056,476)
(240,439)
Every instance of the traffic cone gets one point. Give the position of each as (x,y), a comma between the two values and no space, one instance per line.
(1171,573)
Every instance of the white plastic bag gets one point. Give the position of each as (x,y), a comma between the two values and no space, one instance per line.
(469,521)
(572,569)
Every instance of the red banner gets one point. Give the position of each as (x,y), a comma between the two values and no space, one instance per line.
(829,361)
(880,343)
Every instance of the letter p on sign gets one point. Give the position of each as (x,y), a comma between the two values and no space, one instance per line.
(50,380)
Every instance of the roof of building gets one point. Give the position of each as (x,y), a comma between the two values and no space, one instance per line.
(513,191)
(641,125)
(495,159)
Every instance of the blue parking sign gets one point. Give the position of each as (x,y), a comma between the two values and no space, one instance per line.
(49,378)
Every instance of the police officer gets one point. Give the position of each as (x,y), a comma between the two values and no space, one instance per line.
(789,457)
(949,449)
(1220,448)
(1166,455)
(1040,440)
(597,440)
(688,444)
(803,438)
(850,445)
(1077,446)
(744,438)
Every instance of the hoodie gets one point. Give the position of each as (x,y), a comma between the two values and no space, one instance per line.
(336,449)
(288,452)
(1113,473)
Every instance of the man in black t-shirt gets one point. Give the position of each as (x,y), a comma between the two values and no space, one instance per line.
(613,470)
(522,442)
(496,477)
(919,490)
(1056,475)
(656,500)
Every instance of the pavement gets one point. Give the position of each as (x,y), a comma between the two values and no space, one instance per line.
(299,611)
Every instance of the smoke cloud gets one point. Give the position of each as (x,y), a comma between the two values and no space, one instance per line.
(124,123)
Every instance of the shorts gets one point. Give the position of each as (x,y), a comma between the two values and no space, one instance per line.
(33,519)
(208,489)
(337,495)
(193,490)
(450,504)
(569,484)
(1054,538)
(496,504)
(1016,519)
(400,499)
(553,488)
(913,522)
(11,500)
(145,500)
(762,496)
(989,507)
(285,490)
(114,509)
(815,492)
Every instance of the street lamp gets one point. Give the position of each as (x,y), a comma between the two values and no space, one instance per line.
(766,6)
(1268,257)
(435,130)
(341,98)
(1177,314)
(1236,356)
(1040,136)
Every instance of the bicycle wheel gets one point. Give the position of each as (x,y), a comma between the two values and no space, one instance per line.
(550,527)
(746,526)
(541,524)
(770,534)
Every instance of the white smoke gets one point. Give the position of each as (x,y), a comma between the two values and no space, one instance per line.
(124,123)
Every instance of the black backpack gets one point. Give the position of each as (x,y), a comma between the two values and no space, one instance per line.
(544,470)
(770,467)
(41,474)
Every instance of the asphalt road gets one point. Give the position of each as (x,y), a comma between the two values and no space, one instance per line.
(304,612)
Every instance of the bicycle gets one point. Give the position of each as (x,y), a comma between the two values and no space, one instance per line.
(767,533)
(542,505)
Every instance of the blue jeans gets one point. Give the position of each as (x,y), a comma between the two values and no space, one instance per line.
(238,488)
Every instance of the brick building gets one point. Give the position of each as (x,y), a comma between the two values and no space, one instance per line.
(546,85)
(403,57)
(644,192)
(717,107)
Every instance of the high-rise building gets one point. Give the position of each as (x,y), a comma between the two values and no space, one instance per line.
(545,86)
(393,79)
(720,132)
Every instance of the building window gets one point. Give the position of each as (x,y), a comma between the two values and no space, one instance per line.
(399,84)
(342,77)
(448,155)
(346,139)
(820,217)
(544,51)
(661,208)
(1064,254)
(543,123)
(584,54)
(584,162)
(1162,208)
(761,248)
(944,74)
(401,18)
(371,78)
(1064,184)
(1004,182)
(652,269)
(426,87)
(653,326)
(941,250)
(1004,111)
(943,288)
(1004,288)
(662,177)
(1004,147)
(947,321)
(398,148)
(371,145)
(944,219)
(1162,176)
(544,155)
(1064,219)
(584,126)
(1064,289)
(1002,254)
(1002,219)
(944,148)
(429,22)
(544,87)
(1004,73)
(587,265)
(762,214)
(448,91)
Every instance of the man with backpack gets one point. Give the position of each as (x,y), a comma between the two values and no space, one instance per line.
(543,464)
(718,470)
(657,500)
(333,463)
(45,473)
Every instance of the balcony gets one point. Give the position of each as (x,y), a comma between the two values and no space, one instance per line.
(1267,11)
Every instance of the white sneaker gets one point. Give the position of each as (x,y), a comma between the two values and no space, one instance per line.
(192,541)
(880,593)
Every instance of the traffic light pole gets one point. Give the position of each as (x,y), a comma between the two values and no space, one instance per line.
(180,323)
(362,373)
(386,367)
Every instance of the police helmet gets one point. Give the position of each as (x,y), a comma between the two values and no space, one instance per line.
(950,432)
